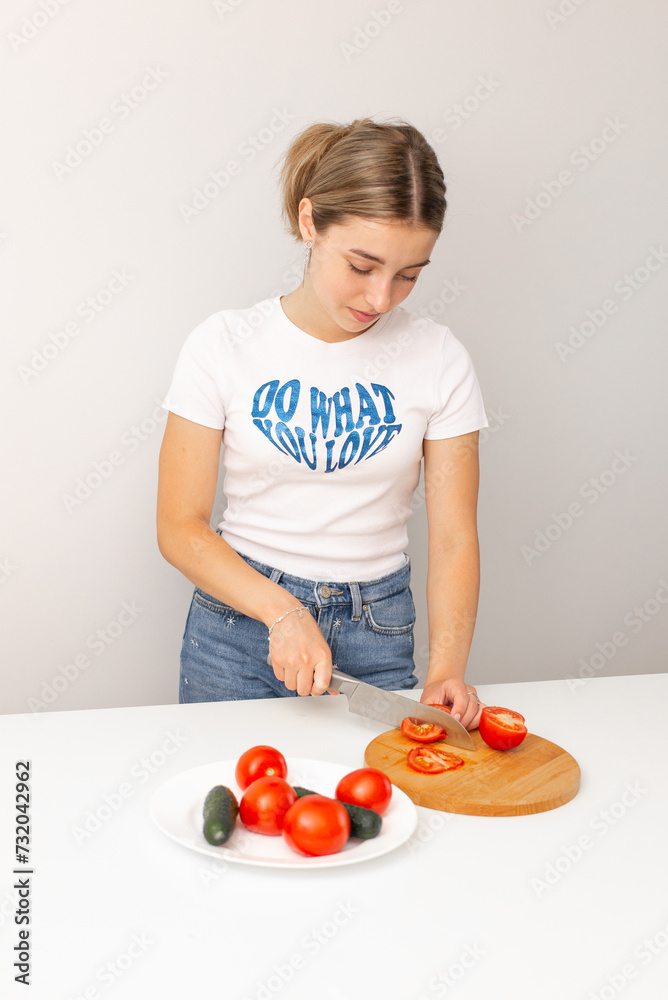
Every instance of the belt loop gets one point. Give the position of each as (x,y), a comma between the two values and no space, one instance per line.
(357,601)
(276,575)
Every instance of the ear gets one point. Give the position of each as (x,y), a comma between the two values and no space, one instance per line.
(306,227)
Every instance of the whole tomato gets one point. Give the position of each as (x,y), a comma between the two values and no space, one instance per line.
(264,804)
(367,787)
(260,762)
(316,825)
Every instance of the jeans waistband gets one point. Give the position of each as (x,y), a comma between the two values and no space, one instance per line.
(323,593)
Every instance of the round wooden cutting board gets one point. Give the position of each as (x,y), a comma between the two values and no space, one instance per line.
(535,776)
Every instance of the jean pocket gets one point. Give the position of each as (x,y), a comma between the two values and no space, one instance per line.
(211,604)
(393,615)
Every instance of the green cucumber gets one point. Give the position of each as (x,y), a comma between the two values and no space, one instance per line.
(364,823)
(220,814)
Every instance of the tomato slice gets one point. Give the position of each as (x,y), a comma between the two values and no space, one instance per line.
(428,760)
(422,732)
(443,708)
(501,728)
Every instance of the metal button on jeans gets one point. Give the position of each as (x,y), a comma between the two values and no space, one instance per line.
(326,591)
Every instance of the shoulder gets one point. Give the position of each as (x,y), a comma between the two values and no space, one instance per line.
(433,341)
(222,332)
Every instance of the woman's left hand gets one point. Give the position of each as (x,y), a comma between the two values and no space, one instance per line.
(462,699)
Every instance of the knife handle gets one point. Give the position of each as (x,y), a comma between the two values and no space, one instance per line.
(342,682)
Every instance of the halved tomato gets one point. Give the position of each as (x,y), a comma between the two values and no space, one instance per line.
(422,732)
(428,760)
(501,728)
(443,708)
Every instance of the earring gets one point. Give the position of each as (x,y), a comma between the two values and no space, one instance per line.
(307,255)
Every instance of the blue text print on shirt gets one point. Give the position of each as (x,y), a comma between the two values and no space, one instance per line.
(349,425)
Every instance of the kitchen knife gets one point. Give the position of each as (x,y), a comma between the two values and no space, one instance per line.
(392,709)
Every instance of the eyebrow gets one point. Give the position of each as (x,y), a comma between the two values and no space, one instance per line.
(368,256)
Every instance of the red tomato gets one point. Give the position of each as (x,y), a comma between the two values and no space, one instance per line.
(264,804)
(428,760)
(422,732)
(316,825)
(366,787)
(501,728)
(443,708)
(260,762)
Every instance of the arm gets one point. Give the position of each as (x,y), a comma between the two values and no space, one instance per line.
(451,492)
(188,473)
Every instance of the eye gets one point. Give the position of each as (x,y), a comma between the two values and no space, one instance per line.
(404,277)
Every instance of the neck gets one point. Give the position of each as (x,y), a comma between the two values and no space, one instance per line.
(304,310)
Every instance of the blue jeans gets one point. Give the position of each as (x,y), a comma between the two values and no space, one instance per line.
(368,627)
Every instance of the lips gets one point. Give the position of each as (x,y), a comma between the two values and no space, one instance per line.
(363,317)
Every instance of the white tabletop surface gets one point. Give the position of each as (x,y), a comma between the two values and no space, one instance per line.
(561,905)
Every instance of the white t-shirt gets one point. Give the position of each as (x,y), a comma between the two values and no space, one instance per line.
(322,443)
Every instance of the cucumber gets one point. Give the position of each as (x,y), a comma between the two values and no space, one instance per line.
(365,824)
(220,814)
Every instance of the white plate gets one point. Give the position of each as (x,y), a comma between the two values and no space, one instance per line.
(176,808)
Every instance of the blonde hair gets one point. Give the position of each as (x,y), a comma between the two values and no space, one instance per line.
(368,169)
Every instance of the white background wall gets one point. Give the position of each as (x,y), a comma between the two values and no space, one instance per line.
(511,95)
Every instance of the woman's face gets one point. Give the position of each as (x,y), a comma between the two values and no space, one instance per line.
(363,268)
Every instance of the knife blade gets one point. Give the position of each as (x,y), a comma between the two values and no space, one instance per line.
(390,708)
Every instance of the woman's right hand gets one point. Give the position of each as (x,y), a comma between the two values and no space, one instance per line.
(299,654)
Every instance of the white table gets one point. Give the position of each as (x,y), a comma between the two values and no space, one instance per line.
(566,904)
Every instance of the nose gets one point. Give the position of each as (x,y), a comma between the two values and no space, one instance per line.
(379,296)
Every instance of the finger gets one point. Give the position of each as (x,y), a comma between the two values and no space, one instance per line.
(472,714)
(289,678)
(304,681)
(459,706)
(322,675)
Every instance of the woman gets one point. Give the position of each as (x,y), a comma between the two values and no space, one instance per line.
(326,399)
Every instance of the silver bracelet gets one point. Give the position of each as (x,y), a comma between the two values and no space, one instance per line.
(299,609)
